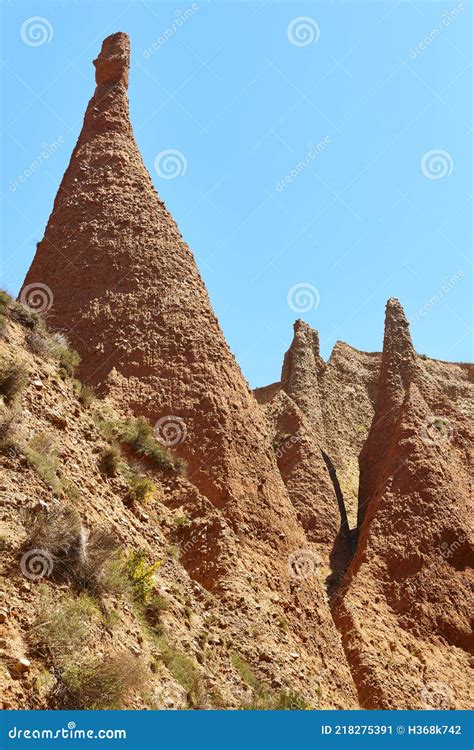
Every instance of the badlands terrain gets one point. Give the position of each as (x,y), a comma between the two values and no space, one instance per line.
(171,539)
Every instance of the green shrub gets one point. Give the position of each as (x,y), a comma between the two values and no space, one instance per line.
(110,461)
(265,699)
(13,379)
(140,487)
(84,393)
(141,576)
(5,302)
(181,522)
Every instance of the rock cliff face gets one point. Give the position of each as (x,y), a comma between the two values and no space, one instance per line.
(317,548)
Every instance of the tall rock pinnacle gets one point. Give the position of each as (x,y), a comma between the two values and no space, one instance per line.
(301,371)
(399,368)
(408,586)
(127,292)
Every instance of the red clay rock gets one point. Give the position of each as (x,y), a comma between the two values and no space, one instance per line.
(403,609)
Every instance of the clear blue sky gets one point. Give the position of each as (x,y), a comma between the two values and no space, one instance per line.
(230,89)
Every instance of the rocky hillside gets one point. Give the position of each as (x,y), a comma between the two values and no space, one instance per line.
(169,538)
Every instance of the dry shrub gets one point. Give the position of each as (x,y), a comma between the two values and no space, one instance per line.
(13,379)
(76,555)
(101,683)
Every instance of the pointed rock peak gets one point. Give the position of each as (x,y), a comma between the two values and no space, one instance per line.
(399,360)
(112,64)
(302,368)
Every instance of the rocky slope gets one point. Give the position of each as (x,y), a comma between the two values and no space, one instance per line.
(213,547)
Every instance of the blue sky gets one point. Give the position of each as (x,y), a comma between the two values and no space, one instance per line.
(246,91)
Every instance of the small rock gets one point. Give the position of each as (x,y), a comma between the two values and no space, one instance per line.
(19,665)
(3,614)
(38,383)
(294,655)
(136,650)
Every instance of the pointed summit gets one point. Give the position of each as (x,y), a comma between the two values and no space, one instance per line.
(113,62)
(301,372)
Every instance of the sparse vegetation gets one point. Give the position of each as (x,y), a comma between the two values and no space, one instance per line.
(9,419)
(42,457)
(75,555)
(13,379)
(37,343)
(61,634)
(181,522)
(68,359)
(138,435)
(27,317)
(84,393)
(100,683)
(263,698)
(140,487)
(110,460)
(184,669)
(141,576)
